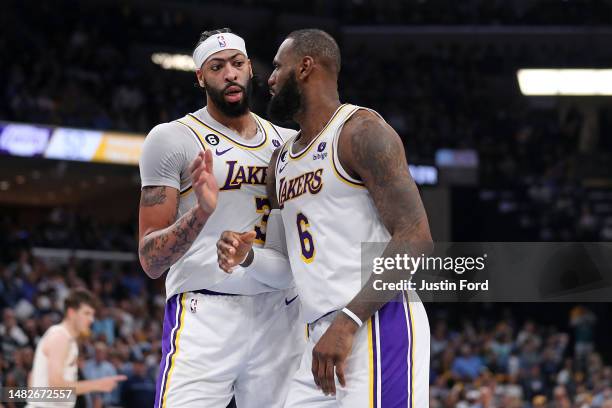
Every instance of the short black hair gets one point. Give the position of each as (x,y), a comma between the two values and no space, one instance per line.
(317,44)
(78,297)
(206,34)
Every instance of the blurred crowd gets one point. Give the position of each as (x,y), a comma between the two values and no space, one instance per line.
(77,73)
(124,339)
(544,12)
(514,365)
(504,363)
(66,227)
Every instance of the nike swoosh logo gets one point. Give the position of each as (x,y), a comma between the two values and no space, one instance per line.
(288,302)
(219,153)
(282,168)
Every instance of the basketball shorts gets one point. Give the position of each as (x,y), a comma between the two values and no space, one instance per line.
(216,346)
(388,366)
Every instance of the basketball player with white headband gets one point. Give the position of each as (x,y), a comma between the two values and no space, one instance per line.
(224,334)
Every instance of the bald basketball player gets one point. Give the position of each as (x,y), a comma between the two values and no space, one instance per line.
(341,181)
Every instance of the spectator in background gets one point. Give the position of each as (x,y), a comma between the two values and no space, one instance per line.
(99,367)
(139,389)
(22,365)
(582,320)
(560,398)
(467,366)
(104,327)
(11,334)
(539,401)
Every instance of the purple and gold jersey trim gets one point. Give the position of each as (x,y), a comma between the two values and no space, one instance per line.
(301,154)
(198,137)
(229,138)
(338,172)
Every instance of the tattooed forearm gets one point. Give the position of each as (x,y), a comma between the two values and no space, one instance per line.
(153,195)
(160,249)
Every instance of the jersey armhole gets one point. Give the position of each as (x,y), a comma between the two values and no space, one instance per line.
(340,171)
(194,133)
(271,125)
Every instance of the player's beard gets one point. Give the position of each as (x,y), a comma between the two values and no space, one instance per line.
(231,109)
(286,102)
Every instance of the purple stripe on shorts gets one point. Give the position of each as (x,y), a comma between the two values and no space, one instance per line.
(394,349)
(374,362)
(170,321)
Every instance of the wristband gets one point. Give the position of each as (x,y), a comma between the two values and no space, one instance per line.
(353,316)
(248,259)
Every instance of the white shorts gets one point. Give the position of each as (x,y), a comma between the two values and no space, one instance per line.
(217,346)
(388,365)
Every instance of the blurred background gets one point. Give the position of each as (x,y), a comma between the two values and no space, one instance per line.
(83,82)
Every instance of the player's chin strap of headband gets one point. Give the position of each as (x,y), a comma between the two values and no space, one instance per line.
(216,43)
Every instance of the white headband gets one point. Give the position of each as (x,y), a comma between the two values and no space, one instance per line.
(216,43)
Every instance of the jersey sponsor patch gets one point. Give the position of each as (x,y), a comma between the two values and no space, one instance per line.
(320,153)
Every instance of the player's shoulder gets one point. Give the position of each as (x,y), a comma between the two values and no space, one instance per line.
(285,133)
(363,115)
(169,136)
(167,129)
(364,120)
(55,337)
(282,133)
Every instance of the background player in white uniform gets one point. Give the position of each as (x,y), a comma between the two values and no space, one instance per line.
(223,334)
(55,359)
(343,181)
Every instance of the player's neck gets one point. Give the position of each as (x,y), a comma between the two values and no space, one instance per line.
(70,328)
(315,115)
(244,125)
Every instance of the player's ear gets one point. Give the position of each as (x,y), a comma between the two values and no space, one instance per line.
(305,68)
(200,76)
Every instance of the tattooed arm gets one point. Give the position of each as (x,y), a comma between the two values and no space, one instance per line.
(161,239)
(370,149)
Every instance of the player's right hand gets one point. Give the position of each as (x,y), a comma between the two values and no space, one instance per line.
(203,181)
(233,248)
(107,384)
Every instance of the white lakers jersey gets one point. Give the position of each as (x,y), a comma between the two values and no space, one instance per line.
(327,214)
(40,367)
(240,169)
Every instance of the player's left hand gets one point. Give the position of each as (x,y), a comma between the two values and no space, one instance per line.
(332,350)
(233,247)
(203,181)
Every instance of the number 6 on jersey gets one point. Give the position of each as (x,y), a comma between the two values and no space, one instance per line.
(306,239)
